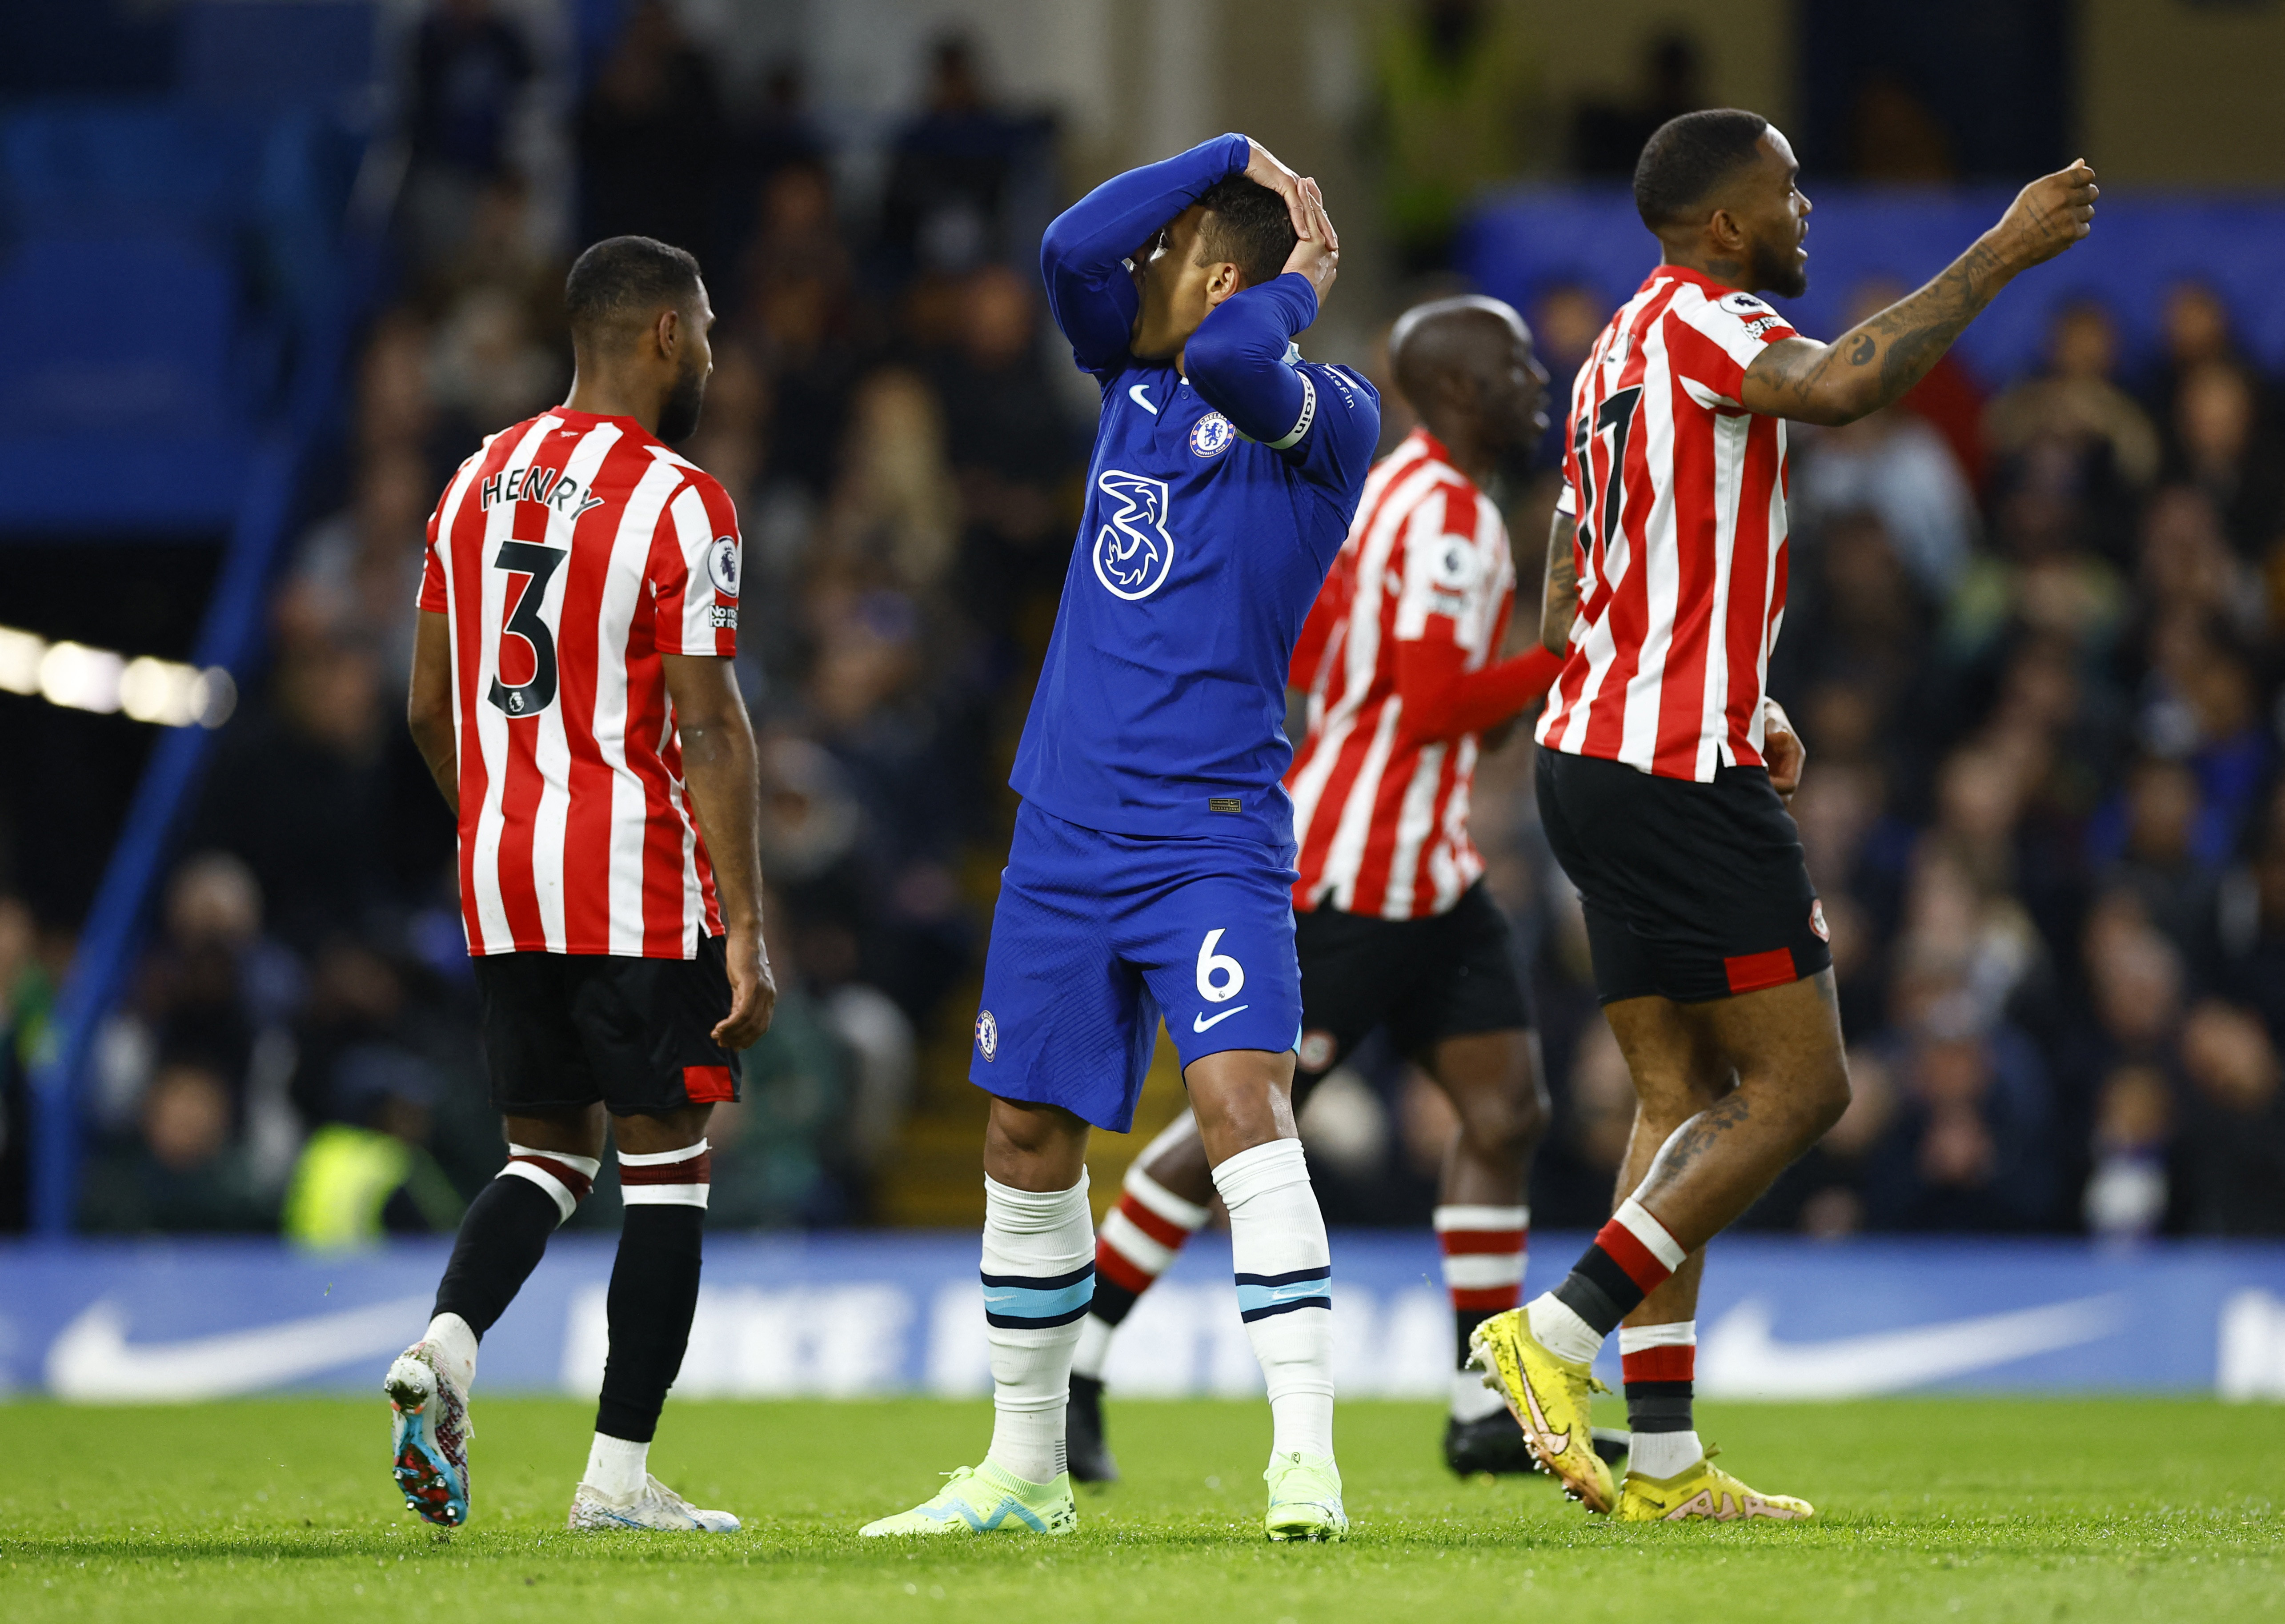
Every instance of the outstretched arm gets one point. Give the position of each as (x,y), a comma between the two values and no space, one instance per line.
(1874,363)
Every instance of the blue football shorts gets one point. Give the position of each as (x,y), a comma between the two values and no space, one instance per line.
(1096,936)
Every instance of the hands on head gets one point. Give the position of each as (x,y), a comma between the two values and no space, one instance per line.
(1317,253)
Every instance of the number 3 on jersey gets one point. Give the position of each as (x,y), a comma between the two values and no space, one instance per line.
(536,564)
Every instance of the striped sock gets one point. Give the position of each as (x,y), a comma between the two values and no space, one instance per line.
(1632,1256)
(1139,1238)
(667,1178)
(1038,1277)
(1284,1288)
(1484,1250)
(1659,1362)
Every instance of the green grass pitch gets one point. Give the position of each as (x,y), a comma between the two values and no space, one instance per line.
(1931,1509)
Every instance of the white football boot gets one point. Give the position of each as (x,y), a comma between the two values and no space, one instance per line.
(430,1432)
(655,1506)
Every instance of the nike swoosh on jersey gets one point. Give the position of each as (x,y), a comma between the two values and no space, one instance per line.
(91,1358)
(1740,1358)
(1198,1022)
(1134,394)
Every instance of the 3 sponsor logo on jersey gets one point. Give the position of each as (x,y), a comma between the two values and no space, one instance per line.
(1133,548)
(1211,435)
(987,1035)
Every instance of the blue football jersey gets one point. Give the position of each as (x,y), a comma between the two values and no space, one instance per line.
(1215,505)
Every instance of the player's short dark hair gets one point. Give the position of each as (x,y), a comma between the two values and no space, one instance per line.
(1684,162)
(624,278)
(1247,225)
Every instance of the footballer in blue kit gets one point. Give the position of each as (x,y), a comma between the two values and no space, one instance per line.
(1152,870)
(1222,483)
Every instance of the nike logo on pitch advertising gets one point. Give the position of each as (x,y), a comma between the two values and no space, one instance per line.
(1139,398)
(1740,1358)
(91,1358)
(1198,1022)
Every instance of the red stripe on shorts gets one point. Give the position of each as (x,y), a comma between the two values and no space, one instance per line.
(705,1085)
(1750,972)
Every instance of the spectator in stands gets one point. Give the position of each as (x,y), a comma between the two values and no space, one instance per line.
(1457,99)
(1607,138)
(2220,445)
(2195,330)
(470,69)
(1969,1149)
(300,791)
(185,1171)
(2233,1125)
(966,176)
(649,133)
(805,326)
(2130,1188)
(1015,452)
(368,1173)
(1894,465)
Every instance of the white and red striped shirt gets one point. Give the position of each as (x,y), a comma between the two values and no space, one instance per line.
(1679,495)
(1398,658)
(570,552)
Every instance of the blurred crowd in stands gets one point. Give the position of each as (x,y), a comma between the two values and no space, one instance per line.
(2032,645)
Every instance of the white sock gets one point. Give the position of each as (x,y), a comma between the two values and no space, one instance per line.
(455,1346)
(1284,1288)
(618,1466)
(1560,1331)
(1471,1401)
(1093,1349)
(1039,1277)
(1661,1454)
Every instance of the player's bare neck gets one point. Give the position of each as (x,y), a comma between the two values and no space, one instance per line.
(1698,255)
(1461,442)
(601,391)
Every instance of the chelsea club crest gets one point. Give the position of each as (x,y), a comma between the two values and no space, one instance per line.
(1211,435)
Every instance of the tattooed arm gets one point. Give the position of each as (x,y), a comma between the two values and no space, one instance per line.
(1873,364)
(1558,603)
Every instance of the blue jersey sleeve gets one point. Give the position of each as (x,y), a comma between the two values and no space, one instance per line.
(1082,258)
(1325,420)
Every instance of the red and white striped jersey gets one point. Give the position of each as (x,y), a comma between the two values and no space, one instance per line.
(570,552)
(1679,496)
(1380,784)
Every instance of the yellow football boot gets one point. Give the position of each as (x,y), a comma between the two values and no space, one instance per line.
(1550,1399)
(1703,1493)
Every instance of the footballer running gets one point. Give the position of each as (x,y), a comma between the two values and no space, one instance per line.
(1152,866)
(1659,779)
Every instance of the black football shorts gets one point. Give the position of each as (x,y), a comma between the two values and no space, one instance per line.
(571,1029)
(1692,891)
(1446,976)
